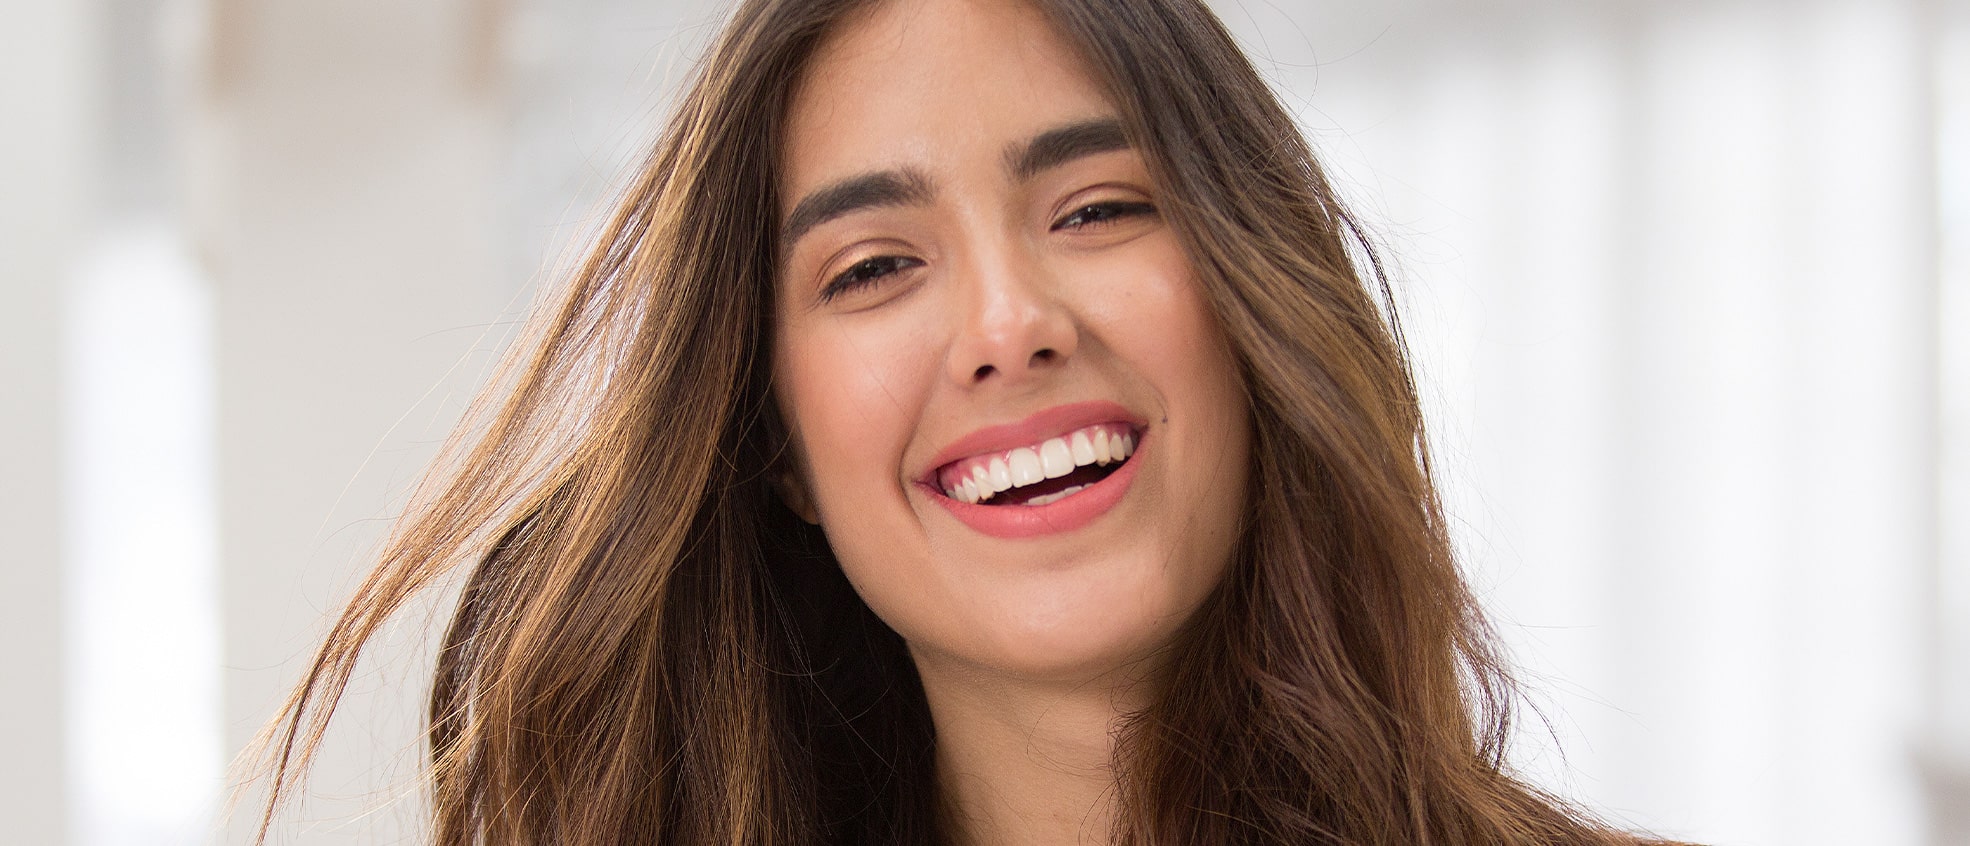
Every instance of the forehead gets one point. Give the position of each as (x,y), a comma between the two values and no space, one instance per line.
(930,83)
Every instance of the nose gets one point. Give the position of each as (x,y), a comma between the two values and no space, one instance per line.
(1015,329)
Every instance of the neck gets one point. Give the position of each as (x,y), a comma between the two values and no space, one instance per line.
(1026,762)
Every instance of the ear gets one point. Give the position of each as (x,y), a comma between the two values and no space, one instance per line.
(788,466)
(790,482)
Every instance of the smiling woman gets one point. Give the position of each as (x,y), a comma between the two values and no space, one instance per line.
(978,425)
(943,351)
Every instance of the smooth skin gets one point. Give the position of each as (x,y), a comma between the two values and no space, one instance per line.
(968,293)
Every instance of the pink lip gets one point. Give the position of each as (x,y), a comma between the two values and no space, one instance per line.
(1023,521)
(1040,426)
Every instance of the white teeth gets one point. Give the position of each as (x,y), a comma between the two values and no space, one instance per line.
(1000,477)
(1082,448)
(1024,465)
(1055,458)
(1051,459)
(1056,496)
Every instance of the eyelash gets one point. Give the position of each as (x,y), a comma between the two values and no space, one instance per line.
(870,271)
(864,273)
(1110,212)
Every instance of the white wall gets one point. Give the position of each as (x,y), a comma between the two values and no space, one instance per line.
(1671,271)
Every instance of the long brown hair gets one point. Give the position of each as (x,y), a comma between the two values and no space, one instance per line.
(650,648)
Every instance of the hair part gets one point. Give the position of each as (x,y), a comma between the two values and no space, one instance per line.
(650,648)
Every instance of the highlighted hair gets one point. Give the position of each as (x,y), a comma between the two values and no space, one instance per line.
(649,648)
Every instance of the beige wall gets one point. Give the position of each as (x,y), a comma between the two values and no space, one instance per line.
(48,92)
(345,162)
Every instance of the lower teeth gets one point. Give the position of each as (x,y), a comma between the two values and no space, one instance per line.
(1056,496)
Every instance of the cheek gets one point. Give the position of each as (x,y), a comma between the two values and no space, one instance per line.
(1157,319)
(1151,309)
(849,398)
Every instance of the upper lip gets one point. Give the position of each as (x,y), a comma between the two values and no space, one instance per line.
(1039,426)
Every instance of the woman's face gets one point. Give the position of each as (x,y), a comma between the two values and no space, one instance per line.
(977,293)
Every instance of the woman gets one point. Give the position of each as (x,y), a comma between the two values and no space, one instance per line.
(978,424)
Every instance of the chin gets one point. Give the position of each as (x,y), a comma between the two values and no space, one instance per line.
(1079,627)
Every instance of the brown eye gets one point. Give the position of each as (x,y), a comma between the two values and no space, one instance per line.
(864,273)
(1095,214)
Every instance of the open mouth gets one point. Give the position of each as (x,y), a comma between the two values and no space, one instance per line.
(1042,473)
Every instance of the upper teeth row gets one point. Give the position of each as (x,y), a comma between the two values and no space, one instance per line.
(977,479)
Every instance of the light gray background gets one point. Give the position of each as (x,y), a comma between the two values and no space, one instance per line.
(1688,283)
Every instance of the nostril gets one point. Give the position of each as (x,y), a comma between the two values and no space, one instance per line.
(1043,357)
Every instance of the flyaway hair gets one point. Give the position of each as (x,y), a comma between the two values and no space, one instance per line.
(649,648)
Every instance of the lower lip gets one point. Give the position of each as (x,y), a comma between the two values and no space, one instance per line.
(1066,515)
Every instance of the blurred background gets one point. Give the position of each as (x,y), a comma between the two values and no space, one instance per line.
(1688,285)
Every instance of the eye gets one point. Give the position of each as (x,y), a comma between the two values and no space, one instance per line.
(864,273)
(1096,214)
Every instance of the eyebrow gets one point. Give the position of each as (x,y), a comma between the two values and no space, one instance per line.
(870,190)
(906,187)
(1056,147)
